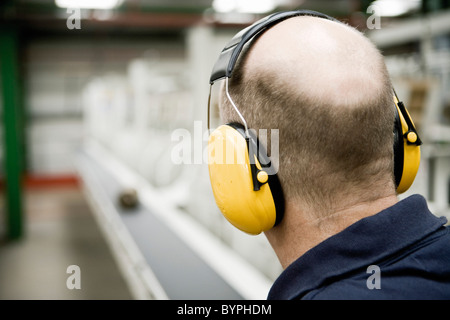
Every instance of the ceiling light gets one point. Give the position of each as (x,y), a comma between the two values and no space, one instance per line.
(393,8)
(88,4)
(224,5)
(244,6)
(256,6)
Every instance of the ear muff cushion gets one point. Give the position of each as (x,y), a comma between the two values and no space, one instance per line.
(229,169)
(398,149)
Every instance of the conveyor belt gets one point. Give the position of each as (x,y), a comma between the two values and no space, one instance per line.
(180,271)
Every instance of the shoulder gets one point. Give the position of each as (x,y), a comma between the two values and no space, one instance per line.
(422,272)
(403,252)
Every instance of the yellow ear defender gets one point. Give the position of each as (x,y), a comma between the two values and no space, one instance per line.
(245,187)
(406,148)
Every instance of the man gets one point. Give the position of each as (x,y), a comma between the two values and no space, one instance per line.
(344,234)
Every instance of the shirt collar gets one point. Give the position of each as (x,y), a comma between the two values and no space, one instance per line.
(366,242)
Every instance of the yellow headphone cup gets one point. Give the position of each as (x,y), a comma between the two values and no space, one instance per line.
(411,155)
(231,179)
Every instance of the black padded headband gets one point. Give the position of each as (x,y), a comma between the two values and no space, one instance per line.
(229,55)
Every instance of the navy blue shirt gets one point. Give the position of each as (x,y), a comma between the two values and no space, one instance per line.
(403,252)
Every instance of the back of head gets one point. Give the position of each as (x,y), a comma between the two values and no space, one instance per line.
(327,90)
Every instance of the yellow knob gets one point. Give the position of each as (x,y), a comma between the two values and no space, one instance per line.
(262,176)
(411,137)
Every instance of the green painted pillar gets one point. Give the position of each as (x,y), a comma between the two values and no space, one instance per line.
(12,129)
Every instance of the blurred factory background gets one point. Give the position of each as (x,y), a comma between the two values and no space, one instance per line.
(96,99)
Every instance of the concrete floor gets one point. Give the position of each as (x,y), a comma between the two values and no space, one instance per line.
(59,231)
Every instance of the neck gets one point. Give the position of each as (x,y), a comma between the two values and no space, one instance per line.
(301,230)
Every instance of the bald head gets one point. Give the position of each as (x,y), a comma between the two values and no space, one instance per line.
(318,57)
(326,88)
